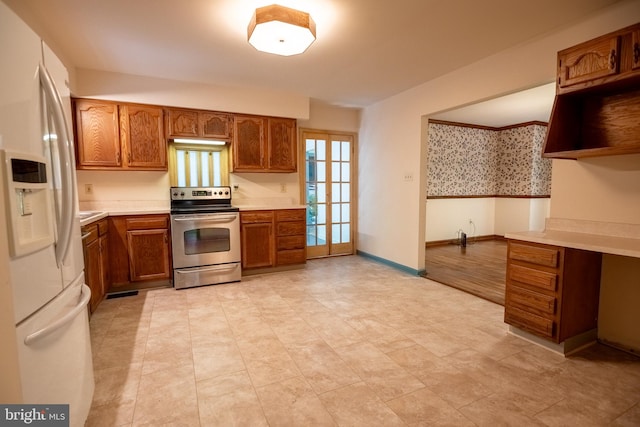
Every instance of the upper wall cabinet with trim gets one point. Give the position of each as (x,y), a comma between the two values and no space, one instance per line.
(597,106)
(264,144)
(113,136)
(184,123)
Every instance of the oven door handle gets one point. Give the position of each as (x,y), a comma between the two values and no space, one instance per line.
(210,218)
(218,268)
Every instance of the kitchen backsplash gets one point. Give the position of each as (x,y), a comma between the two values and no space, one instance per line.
(468,161)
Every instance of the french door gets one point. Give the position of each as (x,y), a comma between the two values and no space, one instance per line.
(328,193)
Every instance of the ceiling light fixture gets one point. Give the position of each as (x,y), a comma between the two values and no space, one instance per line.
(280,30)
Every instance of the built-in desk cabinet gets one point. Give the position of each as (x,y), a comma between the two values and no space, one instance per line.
(551,291)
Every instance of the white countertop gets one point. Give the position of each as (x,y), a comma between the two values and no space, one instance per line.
(268,208)
(608,238)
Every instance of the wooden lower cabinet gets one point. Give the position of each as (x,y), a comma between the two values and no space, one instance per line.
(291,247)
(256,231)
(140,249)
(552,291)
(272,238)
(96,261)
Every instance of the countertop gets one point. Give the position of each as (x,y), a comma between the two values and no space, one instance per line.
(607,238)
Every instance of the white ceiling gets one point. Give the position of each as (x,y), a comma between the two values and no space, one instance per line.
(366,50)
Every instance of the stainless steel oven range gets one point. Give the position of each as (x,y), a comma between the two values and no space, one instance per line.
(205,234)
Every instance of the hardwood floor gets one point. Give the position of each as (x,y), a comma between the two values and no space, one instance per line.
(478,269)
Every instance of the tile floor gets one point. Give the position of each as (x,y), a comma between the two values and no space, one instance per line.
(346,342)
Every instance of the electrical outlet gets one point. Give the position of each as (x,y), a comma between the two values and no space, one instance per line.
(470,221)
(283,188)
(88,189)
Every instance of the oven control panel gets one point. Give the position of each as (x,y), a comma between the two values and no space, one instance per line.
(201,193)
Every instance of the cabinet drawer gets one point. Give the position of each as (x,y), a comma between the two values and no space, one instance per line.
(255,217)
(148,223)
(531,301)
(89,233)
(291,215)
(547,257)
(290,242)
(528,321)
(294,256)
(291,228)
(538,279)
(103,227)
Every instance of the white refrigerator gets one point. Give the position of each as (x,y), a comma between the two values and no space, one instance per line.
(42,238)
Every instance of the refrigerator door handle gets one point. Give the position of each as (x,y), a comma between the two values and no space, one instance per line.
(67,318)
(65,149)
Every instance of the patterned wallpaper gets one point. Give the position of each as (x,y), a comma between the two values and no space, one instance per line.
(466,161)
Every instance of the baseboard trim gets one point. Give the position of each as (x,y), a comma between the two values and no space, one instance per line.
(392,264)
(470,240)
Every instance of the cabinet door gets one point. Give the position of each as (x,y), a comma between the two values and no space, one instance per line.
(148,254)
(248,144)
(93,273)
(97,135)
(635,50)
(104,264)
(589,61)
(282,154)
(257,245)
(215,125)
(182,123)
(141,132)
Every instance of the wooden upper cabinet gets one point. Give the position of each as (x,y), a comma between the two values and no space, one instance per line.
(97,134)
(142,136)
(597,103)
(184,123)
(248,144)
(119,136)
(589,61)
(215,125)
(282,145)
(264,144)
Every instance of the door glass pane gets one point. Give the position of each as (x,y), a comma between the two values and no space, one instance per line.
(335,150)
(345,238)
(321,217)
(320,150)
(335,233)
(321,231)
(335,213)
(346,175)
(335,171)
(311,235)
(345,212)
(321,173)
(345,193)
(346,150)
(335,193)
(322,193)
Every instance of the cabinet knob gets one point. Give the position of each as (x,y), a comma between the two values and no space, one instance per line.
(636,53)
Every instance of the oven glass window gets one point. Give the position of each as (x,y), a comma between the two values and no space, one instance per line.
(206,240)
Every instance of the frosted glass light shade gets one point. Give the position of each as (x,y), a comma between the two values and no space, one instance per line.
(280,30)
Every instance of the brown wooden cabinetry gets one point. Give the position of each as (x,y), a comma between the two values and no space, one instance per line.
(272,238)
(551,291)
(597,106)
(256,231)
(291,233)
(96,260)
(264,144)
(139,249)
(185,123)
(113,136)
